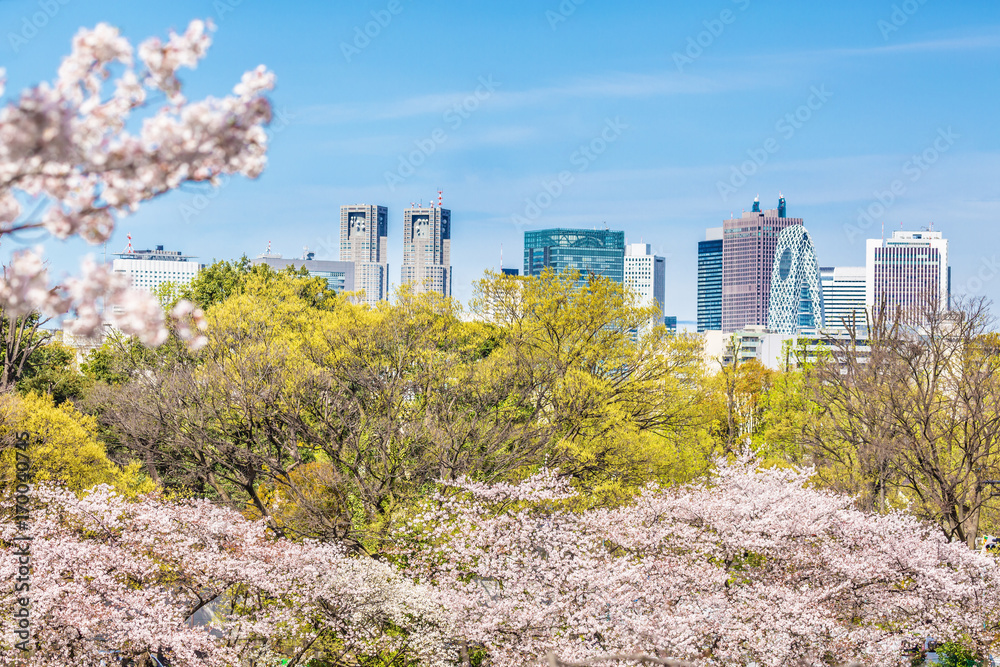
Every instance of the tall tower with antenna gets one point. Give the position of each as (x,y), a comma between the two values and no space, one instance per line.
(427,248)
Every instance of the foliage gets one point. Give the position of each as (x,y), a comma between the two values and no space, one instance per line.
(221,280)
(64,446)
(394,398)
(215,282)
(608,376)
(20,339)
(955,654)
(51,370)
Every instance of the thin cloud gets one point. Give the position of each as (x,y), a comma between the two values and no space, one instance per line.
(926,46)
(625,85)
(958,43)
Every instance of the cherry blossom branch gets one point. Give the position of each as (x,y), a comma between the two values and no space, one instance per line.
(65,144)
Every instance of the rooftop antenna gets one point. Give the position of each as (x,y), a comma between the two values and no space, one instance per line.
(440,199)
(932,226)
(129,248)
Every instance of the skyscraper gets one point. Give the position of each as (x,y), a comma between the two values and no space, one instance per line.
(645,274)
(908,271)
(710,281)
(427,249)
(795,304)
(364,232)
(600,252)
(843,296)
(748,245)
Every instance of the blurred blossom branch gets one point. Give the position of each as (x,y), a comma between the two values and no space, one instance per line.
(64,144)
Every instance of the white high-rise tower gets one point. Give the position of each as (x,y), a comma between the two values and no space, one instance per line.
(645,274)
(908,271)
(364,238)
(427,249)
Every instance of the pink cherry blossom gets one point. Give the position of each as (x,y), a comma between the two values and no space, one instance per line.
(753,566)
(187,318)
(203,586)
(25,288)
(65,144)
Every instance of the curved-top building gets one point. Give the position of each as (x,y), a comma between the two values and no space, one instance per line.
(796,300)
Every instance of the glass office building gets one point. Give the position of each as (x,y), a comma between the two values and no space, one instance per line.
(364,240)
(591,252)
(710,281)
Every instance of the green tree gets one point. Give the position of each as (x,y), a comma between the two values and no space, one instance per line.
(221,280)
(64,446)
(605,371)
(20,337)
(215,282)
(51,369)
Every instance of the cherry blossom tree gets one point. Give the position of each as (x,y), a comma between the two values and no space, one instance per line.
(753,566)
(200,585)
(65,150)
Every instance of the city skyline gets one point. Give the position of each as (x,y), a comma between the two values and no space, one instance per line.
(811,297)
(651,135)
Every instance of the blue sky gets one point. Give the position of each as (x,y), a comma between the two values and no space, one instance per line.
(659,119)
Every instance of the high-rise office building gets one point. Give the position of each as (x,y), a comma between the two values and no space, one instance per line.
(364,237)
(908,271)
(710,281)
(427,249)
(591,252)
(645,274)
(748,245)
(151,268)
(843,297)
(796,302)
